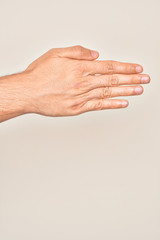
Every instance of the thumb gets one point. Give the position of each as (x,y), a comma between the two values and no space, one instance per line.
(76,52)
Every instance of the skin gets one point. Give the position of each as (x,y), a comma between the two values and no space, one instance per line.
(67,82)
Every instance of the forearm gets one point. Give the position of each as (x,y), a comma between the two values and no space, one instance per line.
(14,96)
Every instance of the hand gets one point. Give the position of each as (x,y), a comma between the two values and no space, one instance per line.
(63,82)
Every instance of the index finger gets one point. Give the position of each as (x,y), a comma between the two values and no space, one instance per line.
(111,67)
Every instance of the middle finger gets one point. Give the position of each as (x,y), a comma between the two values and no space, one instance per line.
(93,81)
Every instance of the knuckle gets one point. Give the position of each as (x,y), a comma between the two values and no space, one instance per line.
(74,104)
(99,104)
(54,52)
(78,46)
(80,68)
(78,49)
(114,80)
(85,84)
(74,108)
(81,84)
(106,92)
(130,68)
(111,66)
(77,107)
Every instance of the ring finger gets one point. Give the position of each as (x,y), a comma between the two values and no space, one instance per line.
(110,92)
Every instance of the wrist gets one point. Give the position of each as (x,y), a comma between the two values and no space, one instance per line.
(15,94)
(28,91)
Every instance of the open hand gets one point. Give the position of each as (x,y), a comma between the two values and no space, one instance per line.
(69,81)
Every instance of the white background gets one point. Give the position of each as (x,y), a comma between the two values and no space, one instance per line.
(96,175)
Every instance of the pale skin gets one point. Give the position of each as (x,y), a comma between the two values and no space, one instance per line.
(69,81)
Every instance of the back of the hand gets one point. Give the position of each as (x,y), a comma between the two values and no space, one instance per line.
(64,82)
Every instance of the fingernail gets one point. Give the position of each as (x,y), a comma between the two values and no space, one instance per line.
(145,79)
(94,53)
(139,69)
(138,90)
(124,104)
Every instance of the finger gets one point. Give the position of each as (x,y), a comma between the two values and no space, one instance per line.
(109,92)
(102,104)
(76,52)
(110,67)
(95,81)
